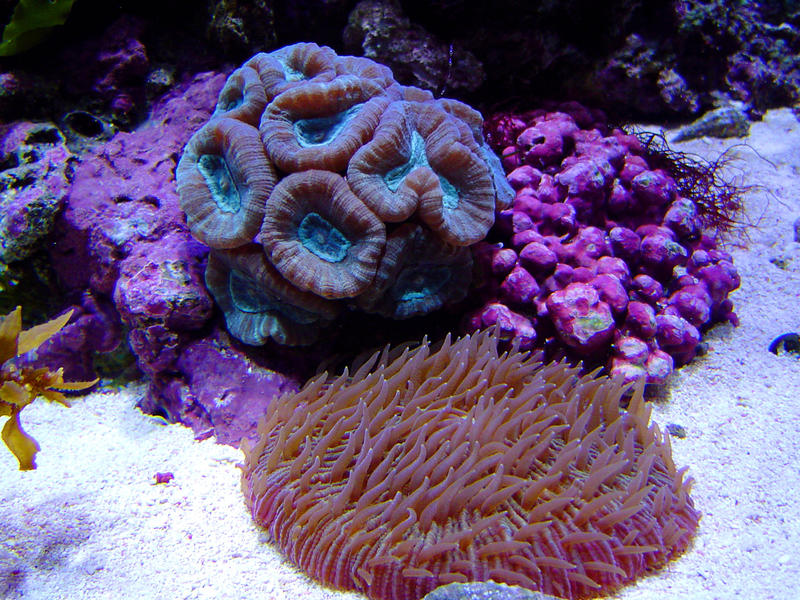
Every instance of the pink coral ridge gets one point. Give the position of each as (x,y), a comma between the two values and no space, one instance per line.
(599,254)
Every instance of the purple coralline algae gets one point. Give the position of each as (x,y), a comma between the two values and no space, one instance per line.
(599,255)
(121,240)
(35,172)
(93,328)
(220,392)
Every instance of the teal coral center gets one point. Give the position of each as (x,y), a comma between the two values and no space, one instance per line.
(420,283)
(220,182)
(320,237)
(323,130)
(290,73)
(418,158)
(248,298)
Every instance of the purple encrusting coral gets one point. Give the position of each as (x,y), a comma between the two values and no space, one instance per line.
(599,252)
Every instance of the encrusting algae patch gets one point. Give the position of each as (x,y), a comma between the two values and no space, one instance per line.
(465,464)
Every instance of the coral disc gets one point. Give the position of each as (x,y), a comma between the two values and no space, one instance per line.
(224,179)
(462,464)
(242,97)
(418,274)
(292,66)
(422,159)
(378,172)
(259,304)
(321,125)
(320,236)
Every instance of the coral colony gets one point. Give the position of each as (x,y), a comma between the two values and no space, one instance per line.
(320,183)
(462,464)
(357,192)
(598,251)
(322,186)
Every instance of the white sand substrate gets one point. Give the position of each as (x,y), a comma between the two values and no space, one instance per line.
(91,523)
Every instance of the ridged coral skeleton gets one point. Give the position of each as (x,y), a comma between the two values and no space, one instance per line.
(463,464)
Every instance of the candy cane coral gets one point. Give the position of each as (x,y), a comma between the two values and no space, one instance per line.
(344,158)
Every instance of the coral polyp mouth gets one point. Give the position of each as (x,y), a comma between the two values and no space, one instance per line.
(320,131)
(322,238)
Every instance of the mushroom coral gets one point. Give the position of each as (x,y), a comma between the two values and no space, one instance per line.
(431,466)
(343,157)
(19,386)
